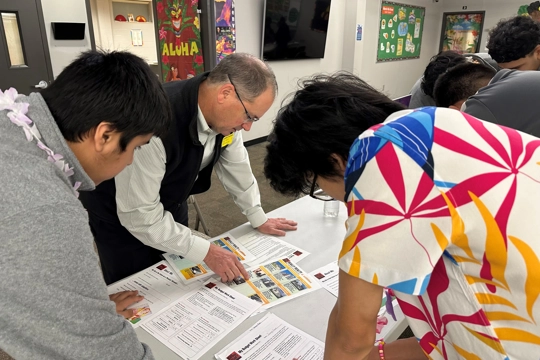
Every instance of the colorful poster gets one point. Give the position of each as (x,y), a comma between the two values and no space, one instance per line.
(225,29)
(400,31)
(462,31)
(179,39)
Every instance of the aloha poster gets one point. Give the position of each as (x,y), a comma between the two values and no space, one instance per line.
(225,28)
(179,39)
(462,31)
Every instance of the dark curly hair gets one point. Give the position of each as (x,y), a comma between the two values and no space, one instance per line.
(437,66)
(461,82)
(534,6)
(323,118)
(513,39)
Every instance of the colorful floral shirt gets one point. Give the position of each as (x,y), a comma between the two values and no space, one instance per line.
(444,209)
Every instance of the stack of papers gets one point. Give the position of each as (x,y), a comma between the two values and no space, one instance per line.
(266,247)
(193,324)
(160,287)
(273,339)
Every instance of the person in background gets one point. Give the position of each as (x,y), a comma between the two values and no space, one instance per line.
(534,10)
(143,211)
(422,91)
(459,83)
(441,211)
(515,43)
(80,131)
(507,101)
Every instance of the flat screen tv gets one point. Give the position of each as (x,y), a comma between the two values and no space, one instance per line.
(295,29)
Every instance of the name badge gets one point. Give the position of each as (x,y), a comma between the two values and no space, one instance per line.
(227,140)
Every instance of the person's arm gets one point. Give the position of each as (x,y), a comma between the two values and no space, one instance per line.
(141,212)
(234,171)
(54,300)
(140,209)
(352,322)
(358,303)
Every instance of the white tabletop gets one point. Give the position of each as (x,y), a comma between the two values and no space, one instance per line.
(322,237)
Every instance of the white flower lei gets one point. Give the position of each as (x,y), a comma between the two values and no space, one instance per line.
(17,114)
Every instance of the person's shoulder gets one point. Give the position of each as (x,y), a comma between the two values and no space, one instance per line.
(29,180)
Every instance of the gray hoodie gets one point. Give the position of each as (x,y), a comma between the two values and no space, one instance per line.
(53,300)
(510,100)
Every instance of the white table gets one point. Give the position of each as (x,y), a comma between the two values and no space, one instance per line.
(323,238)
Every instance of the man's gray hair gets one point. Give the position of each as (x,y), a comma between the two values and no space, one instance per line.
(250,75)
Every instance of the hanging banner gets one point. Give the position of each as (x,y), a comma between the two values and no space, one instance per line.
(225,28)
(179,39)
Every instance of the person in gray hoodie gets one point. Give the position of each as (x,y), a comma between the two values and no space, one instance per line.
(81,130)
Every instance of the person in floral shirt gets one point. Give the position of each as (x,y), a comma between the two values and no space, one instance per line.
(442,210)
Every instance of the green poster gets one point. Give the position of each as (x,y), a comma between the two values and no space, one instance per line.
(400,31)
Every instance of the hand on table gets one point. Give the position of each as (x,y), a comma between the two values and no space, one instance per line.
(125,299)
(276,226)
(225,264)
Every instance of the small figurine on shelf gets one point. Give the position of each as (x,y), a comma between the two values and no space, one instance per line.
(131,18)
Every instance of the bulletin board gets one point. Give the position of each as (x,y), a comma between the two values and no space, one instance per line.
(400,31)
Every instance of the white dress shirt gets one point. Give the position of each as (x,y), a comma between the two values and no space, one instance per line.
(137,193)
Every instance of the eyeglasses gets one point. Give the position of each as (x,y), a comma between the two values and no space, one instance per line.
(249,117)
(318,194)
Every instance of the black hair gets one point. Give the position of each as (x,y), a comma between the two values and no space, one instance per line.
(513,39)
(323,118)
(438,64)
(461,82)
(534,6)
(118,88)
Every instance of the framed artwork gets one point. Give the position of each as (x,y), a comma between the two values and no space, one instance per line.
(462,31)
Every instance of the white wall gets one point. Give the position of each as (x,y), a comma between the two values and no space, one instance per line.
(63,52)
(249,14)
(394,78)
(495,11)
(114,35)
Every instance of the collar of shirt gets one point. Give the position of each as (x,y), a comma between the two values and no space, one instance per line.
(207,137)
(203,130)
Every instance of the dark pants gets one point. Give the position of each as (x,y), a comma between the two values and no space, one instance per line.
(120,253)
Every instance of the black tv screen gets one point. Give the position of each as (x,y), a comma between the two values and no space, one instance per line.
(68,31)
(295,29)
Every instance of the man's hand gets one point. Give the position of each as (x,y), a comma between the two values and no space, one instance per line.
(125,299)
(225,264)
(277,226)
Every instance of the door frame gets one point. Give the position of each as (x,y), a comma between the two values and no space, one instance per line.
(44,41)
(90,24)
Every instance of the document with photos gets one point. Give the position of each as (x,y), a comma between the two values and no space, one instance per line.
(273,339)
(196,322)
(275,282)
(190,272)
(265,247)
(328,277)
(158,284)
